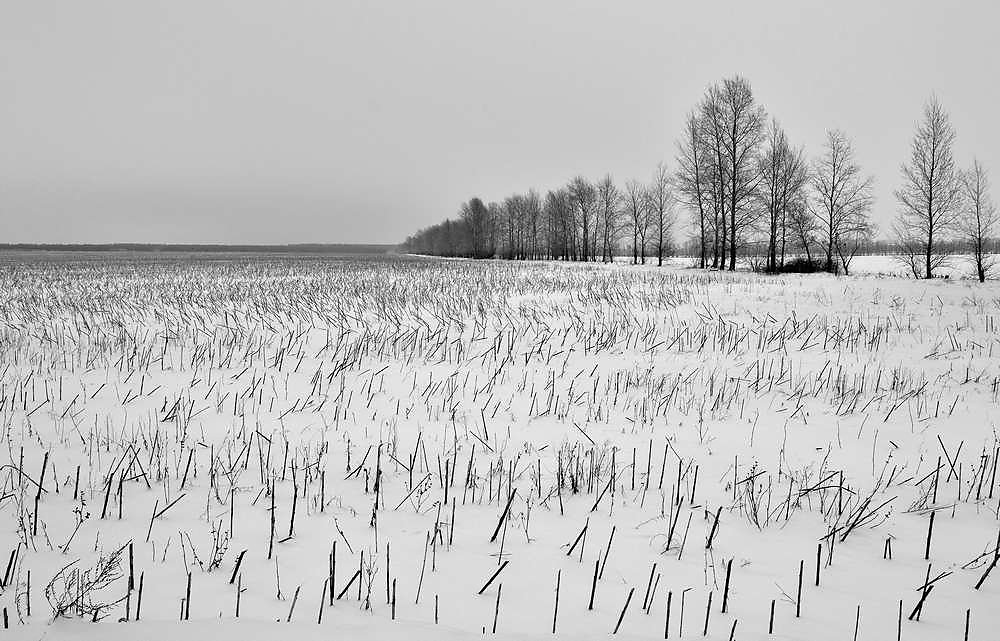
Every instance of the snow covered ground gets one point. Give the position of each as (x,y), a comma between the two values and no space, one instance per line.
(956,267)
(475,442)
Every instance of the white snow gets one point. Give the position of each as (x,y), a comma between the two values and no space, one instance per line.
(527,370)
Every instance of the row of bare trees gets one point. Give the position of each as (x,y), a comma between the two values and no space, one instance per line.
(750,191)
(750,194)
(940,202)
(583,221)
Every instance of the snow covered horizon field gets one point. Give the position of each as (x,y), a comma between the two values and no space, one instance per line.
(385,447)
(958,266)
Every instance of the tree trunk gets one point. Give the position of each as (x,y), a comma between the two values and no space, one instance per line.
(659,243)
(732,238)
(930,246)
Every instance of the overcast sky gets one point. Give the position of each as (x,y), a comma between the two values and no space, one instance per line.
(340,121)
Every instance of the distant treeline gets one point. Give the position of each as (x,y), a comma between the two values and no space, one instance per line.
(745,192)
(299,248)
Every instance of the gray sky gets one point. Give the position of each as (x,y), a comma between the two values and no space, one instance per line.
(359,121)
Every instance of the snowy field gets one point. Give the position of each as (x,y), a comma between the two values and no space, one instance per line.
(248,447)
(957,267)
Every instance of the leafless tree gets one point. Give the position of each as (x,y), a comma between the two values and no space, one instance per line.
(712,132)
(583,196)
(978,220)
(843,200)
(661,210)
(783,176)
(495,210)
(795,195)
(802,225)
(609,204)
(513,213)
(558,214)
(637,205)
(691,179)
(743,125)
(930,196)
(850,243)
(477,220)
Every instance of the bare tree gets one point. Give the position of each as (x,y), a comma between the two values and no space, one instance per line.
(495,214)
(558,214)
(783,176)
(802,225)
(858,233)
(978,220)
(843,199)
(584,197)
(609,201)
(513,213)
(930,196)
(637,205)
(712,133)
(795,194)
(661,210)
(773,160)
(475,215)
(692,177)
(532,204)
(743,124)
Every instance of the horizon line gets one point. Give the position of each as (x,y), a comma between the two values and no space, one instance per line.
(195,247)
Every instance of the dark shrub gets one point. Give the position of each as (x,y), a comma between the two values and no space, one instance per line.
(802,265)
